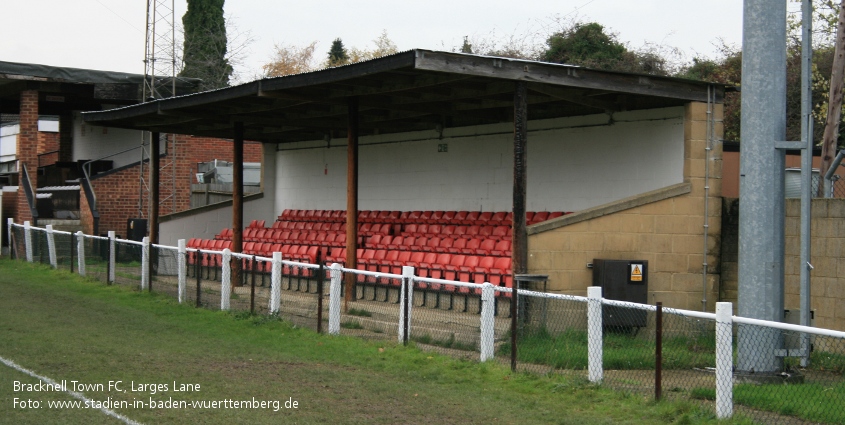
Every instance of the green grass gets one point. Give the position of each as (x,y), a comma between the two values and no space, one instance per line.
(351,324)
(810,401)
(359,312)
(622,351)
(65,327)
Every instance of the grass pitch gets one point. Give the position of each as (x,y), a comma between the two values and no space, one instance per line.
(67,328)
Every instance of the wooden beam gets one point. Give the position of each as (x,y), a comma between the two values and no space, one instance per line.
(351,199)
(155,168)
(519,253)
(237,198)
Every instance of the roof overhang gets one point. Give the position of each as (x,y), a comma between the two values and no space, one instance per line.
(408,91)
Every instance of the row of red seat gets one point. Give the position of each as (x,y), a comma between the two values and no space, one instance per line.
(448,266)
(479,246)
(319,233)
(418,217)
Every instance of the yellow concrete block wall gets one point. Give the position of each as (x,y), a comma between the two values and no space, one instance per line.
(666,227)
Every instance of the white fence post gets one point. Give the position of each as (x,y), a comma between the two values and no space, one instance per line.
(594,335)
(226,281)
(51,246)
(112,261)
(724,360)
(182,271)
(406,287)
(145,263)
(80,250)
(334,300)
(27,238)
(276,283)
(487,323)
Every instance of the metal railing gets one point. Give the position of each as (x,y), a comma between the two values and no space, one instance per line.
(30,194)
(649,349)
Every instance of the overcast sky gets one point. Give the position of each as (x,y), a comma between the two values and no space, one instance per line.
(109,34)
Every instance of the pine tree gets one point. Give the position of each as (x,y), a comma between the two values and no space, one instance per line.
(337,53)
(204,54)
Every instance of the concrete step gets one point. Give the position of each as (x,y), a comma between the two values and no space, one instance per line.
(64,225)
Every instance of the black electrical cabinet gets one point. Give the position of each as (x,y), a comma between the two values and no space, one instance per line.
(623,280)
(136,229)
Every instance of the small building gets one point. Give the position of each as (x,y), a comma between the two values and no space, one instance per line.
(636,159)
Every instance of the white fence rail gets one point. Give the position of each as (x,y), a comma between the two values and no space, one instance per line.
(488,323)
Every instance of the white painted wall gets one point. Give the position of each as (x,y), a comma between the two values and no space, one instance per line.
(94,142)
(573,164)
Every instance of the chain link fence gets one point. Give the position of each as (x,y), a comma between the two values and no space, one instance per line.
(769,372)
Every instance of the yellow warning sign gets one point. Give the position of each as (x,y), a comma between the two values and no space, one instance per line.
(636,272)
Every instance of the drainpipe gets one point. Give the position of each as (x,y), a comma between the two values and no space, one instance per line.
(828,185)
(711,95)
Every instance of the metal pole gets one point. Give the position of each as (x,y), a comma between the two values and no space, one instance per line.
(806,170)
(321,274)
(199,275)
(658,352)
(514,314)
(761,228)
(252,287)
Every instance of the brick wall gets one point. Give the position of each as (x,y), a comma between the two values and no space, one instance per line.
(117,193)
(665,227)
(827,247)
(27,149)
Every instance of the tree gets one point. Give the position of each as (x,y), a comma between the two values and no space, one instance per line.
(727,69)
(204,51)
(589,45)
(289,60)
(834,110)
(584,44)
(337,53)
(466,47)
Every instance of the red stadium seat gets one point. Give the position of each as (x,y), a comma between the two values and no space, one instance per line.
(540,217)
(466,269)
(445,245)
(502,249)
(434,230)
(458,246)
(460,217)
(498,218)
(479,274)
(501,270)
(414,217)
(431,245)
(404,259)
(486,247)
(472,246)
(396,242)
(500,232)
(449,217)
(436,217)
(450,271)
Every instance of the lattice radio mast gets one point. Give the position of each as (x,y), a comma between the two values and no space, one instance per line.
(160,82)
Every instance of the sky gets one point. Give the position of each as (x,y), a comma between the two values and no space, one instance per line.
(109,34)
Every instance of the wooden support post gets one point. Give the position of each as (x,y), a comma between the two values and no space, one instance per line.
(520,155)
(237,199)
(155,166)
(351,200)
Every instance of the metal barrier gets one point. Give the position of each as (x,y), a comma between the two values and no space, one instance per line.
(649,349)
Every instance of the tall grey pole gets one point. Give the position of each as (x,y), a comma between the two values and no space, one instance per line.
(806,169)
(760,217)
